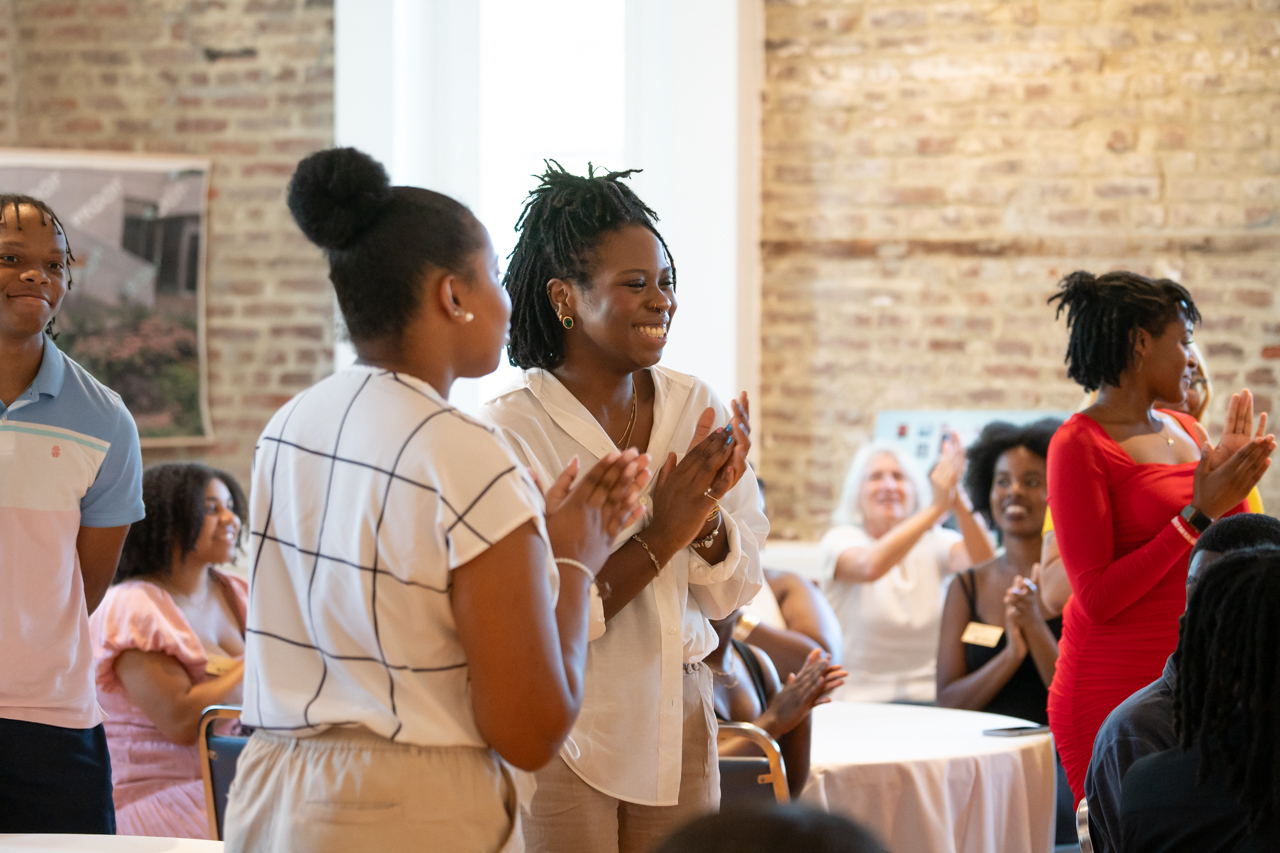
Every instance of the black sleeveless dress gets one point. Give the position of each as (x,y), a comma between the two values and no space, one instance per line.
(754,670)
(1025,695)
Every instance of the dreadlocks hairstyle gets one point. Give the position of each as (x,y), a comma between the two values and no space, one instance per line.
(1103,315)
(173,496)
(998,437)
(380,239)
(47,216)
(562,222)
(1227,697)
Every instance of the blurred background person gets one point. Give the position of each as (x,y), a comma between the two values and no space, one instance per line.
(1132,488)
(747,689)
(168,642)
(1009,674)
(782,829)
(788,619)
(996,649)
(1219,788)
(885,559)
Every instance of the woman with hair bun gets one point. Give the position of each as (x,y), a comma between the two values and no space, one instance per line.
(594,294)
(419,613)
(1132,487)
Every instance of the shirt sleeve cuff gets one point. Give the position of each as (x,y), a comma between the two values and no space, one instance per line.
(702,572)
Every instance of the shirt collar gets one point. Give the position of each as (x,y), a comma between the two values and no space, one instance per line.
(672,391)
(52,371)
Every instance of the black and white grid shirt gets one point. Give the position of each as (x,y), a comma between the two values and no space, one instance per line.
(368,490)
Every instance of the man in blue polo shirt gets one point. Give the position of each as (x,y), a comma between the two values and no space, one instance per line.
(70,486)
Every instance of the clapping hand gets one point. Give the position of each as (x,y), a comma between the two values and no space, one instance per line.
(740,425)
(1227,473)
(811,686)
(1021,612)
(583,519)
(1237,432)
(945,476)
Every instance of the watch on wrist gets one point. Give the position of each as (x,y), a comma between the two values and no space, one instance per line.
(1195,518)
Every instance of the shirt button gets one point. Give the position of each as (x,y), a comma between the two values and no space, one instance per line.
(644,500)
(671,630)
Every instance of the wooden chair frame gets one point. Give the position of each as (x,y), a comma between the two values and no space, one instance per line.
(777,775)
(210,714)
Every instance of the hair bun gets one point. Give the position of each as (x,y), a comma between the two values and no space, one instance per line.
(334,195)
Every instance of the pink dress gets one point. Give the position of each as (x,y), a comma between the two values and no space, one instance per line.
(158,787)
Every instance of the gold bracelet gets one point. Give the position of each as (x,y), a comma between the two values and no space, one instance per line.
(657,567)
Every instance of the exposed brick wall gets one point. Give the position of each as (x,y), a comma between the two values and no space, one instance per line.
(8,80)
(932,170)
(245,83)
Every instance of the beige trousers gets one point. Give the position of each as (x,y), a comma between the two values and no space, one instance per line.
(569,816)
(351,790)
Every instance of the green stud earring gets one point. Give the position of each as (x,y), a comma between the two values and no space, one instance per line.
(567,322)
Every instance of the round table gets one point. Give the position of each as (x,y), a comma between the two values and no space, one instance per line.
(927,779)
(31,843)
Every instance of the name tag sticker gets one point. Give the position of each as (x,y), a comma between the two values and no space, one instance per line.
(978,634)
(8,442)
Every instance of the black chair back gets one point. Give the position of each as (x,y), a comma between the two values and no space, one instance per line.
(218,756)
(740,781)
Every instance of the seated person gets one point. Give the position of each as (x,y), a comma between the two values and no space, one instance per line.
(996,650)
(885,560)
(1219,788)
(1143,723)
(788,619)
(1002,671)
(747,690)
(169,642)
(783,829)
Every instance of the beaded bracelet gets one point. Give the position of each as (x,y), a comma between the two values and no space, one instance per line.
(565,561)
(657,567)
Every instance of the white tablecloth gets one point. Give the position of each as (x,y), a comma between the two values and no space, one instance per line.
(104,844)
(926,780)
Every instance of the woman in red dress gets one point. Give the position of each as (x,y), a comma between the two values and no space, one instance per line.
(1131,488)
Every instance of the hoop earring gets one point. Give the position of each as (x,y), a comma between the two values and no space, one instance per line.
(567,322)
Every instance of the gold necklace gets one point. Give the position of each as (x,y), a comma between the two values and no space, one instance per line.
(631,424)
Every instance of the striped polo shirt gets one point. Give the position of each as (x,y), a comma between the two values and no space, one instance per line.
(69,458)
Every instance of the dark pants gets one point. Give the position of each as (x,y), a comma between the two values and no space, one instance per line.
(55,780)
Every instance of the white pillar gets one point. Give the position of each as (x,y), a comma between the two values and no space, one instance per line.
(694,73)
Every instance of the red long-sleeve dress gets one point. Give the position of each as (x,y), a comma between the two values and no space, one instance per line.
(1126,558)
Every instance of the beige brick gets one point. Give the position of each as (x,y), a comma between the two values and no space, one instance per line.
(984,153)
(125,76)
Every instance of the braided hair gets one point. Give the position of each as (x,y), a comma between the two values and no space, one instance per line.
(47,217)
(1228,684)
(562,222)
(173,496)
(996,439)
(1104,313)
(380,239)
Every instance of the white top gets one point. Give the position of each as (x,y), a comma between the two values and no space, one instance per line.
(627,740)
(890,625)
(368,490)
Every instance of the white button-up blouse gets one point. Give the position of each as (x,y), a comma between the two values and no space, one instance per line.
(627,740)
